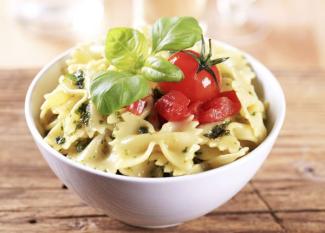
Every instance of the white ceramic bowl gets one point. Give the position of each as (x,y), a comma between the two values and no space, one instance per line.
(155,202)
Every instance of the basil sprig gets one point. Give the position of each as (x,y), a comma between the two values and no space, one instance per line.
(128,50)
(111,90)
(175,33)
(158,69)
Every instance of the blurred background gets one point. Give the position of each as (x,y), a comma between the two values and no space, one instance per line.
(281,33)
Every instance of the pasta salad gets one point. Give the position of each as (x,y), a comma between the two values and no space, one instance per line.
(158,104)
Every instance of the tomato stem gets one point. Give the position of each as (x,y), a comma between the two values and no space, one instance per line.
(218,60)
(205,62)
(209,54)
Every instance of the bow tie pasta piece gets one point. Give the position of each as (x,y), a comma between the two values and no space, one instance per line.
(131,151)
(95,154)
(236,67)
(242,132)
(58,103)
(213,158)
(167,167)
(224,142)
(55,137)
(130,125)
(85,53)
(145,169)
(132,147)
(90,59)
(188,125)
(85,56)
(252,108)
(61,141)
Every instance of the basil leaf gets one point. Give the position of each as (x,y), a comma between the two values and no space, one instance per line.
(158,69)
(126,48)
(175,33)
(114,90)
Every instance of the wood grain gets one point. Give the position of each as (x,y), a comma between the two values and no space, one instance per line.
(287,194)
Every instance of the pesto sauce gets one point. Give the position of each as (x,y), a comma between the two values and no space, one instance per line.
(83,110)
(60,140)
(78,78)
(218,131)
(143,130)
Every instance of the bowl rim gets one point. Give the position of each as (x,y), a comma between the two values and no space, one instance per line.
(269,139)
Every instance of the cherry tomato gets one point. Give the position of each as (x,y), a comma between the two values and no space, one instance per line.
(173,106)
(195,85)
(137,107)
(219,108)
(233,97)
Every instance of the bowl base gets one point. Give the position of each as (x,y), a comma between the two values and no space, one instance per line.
(155,227)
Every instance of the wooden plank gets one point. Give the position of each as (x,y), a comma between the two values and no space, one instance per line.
(303,222)
(19,199)
(253,223)
(292,195)
(15,199)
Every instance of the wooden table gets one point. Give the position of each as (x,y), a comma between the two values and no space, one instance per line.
(287,194)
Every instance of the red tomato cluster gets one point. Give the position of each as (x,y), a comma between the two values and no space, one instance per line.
(198,94)
(175,106)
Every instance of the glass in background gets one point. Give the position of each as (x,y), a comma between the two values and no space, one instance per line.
(69,19)
(240,22)
(146,12)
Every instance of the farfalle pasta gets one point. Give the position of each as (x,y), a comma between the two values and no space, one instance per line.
(142,139)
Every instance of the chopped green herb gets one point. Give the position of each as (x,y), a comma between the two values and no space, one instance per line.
(81,145)
(143,130)
(185,150)
(78,78)
(60,140)
(218,131)
(253,113)
(83,110)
